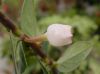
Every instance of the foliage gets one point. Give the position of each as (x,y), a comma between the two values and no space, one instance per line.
(28,17)
(70,59)
(73,56)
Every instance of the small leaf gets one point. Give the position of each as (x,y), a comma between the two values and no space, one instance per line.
(13,51)
(18,54)
(28,16)
(74,55)
(22,63)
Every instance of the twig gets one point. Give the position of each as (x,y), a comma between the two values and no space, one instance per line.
(17,32)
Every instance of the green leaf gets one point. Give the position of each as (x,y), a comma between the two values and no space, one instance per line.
(22,63)
(13,51)
(28,70)
(74,55)
(28,17)
(95,66)
(18,55)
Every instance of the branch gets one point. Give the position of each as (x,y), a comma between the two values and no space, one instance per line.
(17,32)
(9,24)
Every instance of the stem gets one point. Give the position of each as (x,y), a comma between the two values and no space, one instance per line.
(38,39)
(9,24)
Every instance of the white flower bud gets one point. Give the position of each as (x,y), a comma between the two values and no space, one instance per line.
(59,34)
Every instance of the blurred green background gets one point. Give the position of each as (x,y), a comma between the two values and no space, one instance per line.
(83,15)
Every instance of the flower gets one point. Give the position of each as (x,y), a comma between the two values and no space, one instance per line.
(59,34)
